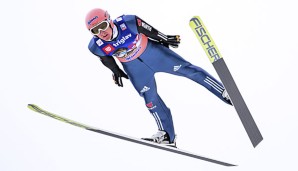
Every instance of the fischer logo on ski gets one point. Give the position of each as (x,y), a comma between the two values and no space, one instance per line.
(206,40)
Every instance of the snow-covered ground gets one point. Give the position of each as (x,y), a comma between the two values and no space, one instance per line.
(44,60)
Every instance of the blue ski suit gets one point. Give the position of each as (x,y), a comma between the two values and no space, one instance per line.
(141,58)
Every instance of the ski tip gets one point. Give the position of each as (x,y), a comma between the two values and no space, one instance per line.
(195,21)
(194,17)
(32,106)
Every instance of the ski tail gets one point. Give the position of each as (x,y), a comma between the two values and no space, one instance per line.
(225,76)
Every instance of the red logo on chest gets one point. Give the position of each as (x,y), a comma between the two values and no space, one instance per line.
(108,49)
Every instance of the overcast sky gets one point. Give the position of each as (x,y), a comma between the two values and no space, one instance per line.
(44,60)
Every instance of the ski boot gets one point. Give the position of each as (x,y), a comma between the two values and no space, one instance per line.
(226,96)
(162,138)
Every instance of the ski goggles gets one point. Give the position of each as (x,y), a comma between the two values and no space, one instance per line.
(100,26)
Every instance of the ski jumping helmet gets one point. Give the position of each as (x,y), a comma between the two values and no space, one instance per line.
(96,16)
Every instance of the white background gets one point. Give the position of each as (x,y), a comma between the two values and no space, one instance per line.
(44,60)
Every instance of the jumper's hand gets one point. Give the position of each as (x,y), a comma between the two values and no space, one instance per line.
(173,40)
(117,77)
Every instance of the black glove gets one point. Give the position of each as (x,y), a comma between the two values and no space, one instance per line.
(172,41)
(117,77)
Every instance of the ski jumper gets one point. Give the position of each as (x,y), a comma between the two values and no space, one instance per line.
(141,58)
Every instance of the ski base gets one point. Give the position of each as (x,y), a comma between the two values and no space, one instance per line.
(238,102)
(126,138)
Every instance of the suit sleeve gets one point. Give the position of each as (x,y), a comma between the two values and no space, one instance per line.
(149,31)
(155,35)
(107,61)
(110,63)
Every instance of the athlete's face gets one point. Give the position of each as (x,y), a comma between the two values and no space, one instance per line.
(106,35)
